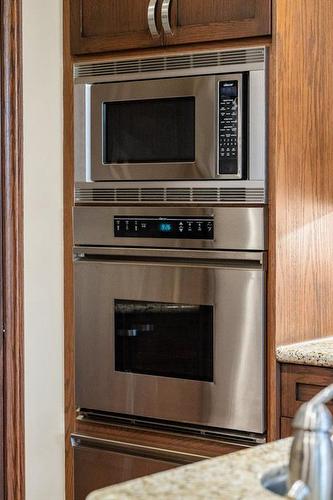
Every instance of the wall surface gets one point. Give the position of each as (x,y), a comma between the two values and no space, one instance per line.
(42,88)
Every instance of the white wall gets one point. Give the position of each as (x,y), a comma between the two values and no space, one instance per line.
(42,93)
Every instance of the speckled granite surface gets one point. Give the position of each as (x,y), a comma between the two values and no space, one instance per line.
(315,352)
(230,477)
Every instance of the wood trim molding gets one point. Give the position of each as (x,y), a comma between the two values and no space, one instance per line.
(12,232)
(68,246)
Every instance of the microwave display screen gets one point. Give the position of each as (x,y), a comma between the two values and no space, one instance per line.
(149,131)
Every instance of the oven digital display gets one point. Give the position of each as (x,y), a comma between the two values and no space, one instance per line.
(165,227)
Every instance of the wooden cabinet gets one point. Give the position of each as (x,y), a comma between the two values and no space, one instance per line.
(99,465)
(298,385)
(208,20)
(106,454)
(108,25)
(111,25)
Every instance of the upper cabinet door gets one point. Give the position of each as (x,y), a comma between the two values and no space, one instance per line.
(108,25)
(190,21)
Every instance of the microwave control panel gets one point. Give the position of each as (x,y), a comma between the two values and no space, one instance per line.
(229,149)
(189,228)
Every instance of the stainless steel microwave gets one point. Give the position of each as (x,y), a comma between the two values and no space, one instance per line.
(174,118)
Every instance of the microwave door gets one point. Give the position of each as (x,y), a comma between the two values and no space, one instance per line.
(170,341)
(153,130)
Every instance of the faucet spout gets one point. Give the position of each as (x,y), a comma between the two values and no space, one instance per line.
(311,458)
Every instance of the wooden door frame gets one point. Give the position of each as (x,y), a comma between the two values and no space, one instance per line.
(12,247)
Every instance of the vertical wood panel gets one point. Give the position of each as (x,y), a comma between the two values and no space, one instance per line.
(273,405)
(303,136)
(12,227)
(68,244)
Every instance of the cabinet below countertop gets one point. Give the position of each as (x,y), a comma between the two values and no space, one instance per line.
(299,384)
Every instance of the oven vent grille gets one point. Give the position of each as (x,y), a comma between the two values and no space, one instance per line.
(169,63)
(95,195)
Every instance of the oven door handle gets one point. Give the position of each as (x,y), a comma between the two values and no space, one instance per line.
(253,258)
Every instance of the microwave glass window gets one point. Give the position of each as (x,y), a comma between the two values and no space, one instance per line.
(167,340)
(149,131)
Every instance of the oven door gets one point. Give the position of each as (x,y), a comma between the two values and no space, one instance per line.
(172,340)
(154,129)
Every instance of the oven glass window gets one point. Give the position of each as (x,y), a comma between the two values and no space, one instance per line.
(168,340)
(152,130)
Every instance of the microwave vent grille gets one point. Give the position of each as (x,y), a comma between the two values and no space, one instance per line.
(205,194)
(152,194)
(169,63)
(178,194)
(95,195)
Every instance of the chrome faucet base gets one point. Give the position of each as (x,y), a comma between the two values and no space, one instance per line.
(311,457)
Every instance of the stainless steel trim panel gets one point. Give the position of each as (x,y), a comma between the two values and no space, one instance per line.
(235,228)
(223,435)
(257,147)
(162,193)
(80,440)
(235,400)
(194,63)
(82,138)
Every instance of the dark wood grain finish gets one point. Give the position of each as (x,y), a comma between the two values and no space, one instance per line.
(109,25)
(12,248)
(299,384)
(68,245)
(303,136)
(286,429)
(157,439)
(173,50)
(207,20)
(96,468)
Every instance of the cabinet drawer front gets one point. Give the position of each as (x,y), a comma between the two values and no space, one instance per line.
(97,467)
(208,20)
(299,384)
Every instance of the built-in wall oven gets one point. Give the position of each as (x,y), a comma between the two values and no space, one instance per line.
(170,315)
(196,120)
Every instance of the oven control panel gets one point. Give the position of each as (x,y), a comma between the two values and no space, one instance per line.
(189,228)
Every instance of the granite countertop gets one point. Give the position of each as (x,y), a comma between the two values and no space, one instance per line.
(317,352)
(231,477)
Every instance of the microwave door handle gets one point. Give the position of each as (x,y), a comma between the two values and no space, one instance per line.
(165,16)
(151,16)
